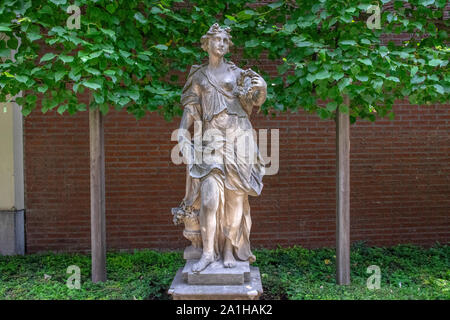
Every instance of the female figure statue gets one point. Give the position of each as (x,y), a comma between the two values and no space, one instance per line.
(219,97)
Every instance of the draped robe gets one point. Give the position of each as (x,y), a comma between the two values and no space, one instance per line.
(216,106)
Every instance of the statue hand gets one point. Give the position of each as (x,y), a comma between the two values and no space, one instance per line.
(258,90)
(258,82)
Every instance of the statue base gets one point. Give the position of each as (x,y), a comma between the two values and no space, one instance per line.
(192,253)
(217,282)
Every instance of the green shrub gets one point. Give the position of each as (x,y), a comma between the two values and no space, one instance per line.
(407,272)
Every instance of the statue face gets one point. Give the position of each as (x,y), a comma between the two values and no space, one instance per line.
(218,44)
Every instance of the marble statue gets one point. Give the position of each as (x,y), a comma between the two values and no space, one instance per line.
(220,97)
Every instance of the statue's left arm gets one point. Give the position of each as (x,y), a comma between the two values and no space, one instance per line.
(258,90)
(254,90)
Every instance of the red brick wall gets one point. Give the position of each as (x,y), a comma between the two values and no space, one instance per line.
(400,190)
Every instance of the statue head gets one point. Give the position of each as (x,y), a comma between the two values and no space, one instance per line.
(217,40)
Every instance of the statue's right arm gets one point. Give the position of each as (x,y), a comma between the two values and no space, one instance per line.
(184,136)
(190,99)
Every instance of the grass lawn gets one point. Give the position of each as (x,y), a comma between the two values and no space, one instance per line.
(407,272)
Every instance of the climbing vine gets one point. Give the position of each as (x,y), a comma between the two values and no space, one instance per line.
(128,54)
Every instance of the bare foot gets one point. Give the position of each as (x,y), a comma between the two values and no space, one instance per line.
(204,261)
(228,259)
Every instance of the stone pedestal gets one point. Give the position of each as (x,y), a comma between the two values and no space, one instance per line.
(192,253)
(217,282)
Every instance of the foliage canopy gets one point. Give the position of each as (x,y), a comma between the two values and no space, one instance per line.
(126,51)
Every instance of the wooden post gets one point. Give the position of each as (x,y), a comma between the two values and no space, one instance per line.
(98,229)
(343,196)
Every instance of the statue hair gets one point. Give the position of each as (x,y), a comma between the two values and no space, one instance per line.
(215,29)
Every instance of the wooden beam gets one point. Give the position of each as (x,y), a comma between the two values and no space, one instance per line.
(98,229)
(343,196)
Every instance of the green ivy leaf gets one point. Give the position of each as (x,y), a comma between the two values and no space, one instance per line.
(435,62)
(81,107)
(161,47)
(5,53)
(42,89)
(439,88)
(251,43)
(366,61)
(91,85)
(58,2)
(66,59)
(104,108)
(5,27)
(62,108)
(289,28)
(343,108)
(98,97)
(347,42)
(337,75)
(109,72)
(59,75)
(426,2)
(111,8)
(377,85)
(140,17)
(343,84)
(300,42)
(361,77)
(332,106)
(416,79)
(21,78)
(32,98)
(395,79)
(33,36)
(311,77)
(185,50)
(47,57)
(26,110)
(93,71)
(275,5)
(156,10)
(245,14)
(134,95)
(323,74)
(73,76)
(109,33)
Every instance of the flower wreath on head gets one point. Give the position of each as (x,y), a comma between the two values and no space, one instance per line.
(214,29)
